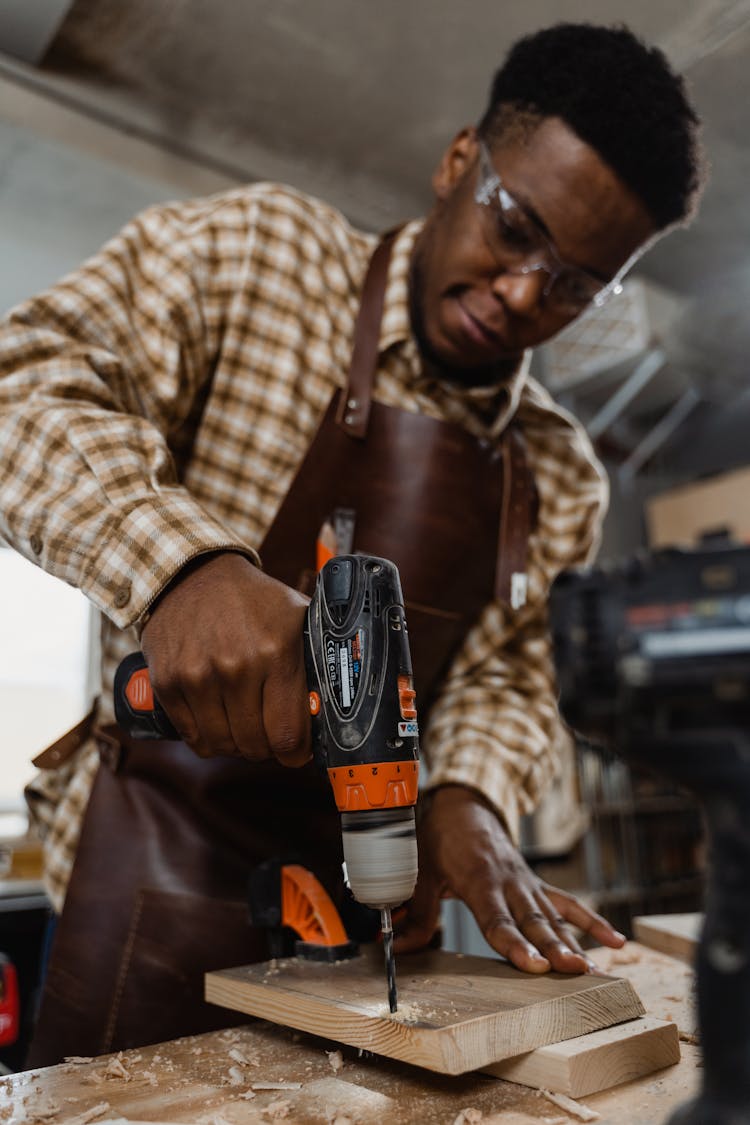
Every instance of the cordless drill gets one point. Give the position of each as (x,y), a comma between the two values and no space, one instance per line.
(364,725)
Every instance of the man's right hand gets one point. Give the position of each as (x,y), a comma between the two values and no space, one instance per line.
(226,661)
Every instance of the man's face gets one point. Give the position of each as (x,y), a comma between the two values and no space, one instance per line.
(469,312)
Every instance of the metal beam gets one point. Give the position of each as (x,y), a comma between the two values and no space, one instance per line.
(658,435)
(27,27)
(652,362)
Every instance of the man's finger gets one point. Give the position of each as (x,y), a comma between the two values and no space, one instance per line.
(584,918)
(244,714)
(536,927)
(286,715)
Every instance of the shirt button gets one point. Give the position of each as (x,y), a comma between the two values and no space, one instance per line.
(36,544)
(122,596)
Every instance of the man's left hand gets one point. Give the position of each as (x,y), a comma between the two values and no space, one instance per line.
(464,852)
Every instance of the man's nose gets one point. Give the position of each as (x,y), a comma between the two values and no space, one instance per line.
(523,293)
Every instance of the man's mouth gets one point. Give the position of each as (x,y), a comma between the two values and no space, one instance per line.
(478,330)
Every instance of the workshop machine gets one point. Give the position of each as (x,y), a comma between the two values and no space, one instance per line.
(364,727)
(653,659)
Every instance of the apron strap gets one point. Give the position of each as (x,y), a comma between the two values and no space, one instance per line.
(65,747)
(517,511)
(517,517)
(354,403)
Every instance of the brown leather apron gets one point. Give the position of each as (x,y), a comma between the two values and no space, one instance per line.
(158,891)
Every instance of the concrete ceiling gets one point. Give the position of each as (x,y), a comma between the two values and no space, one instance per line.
(355,100)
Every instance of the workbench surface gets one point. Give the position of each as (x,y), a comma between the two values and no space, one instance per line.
(218,1078)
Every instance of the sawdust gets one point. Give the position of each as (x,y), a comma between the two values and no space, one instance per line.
(469,1116)
(43,1112)
(277,1085)
(116,1068)
(625,956)
(88,1114)
(335,1061)
(243,1058)
(278,1110)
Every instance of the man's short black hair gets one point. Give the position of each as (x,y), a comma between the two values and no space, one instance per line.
(620,96)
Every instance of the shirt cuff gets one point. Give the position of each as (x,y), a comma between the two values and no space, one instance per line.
(499,791)
(145,548)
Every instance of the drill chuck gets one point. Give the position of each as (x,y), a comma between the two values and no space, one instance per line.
(380,853)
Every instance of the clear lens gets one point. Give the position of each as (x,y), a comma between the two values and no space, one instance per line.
(519,246)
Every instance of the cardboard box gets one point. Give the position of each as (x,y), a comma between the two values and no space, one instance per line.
(682,515)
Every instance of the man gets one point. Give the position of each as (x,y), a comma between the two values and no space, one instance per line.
(173,430)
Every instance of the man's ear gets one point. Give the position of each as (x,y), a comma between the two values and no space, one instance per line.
(454,162)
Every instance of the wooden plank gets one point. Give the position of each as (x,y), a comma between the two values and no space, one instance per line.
(675,934)
(597,1061)
(455,1013)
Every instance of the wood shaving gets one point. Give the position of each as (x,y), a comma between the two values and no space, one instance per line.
(150,1077)
(247,1095)
(469,1116)
(236,1077)
(242,1057)
(78,1060)
(44,1112)
(575,1109)
(278,1110)
(277,1085)
(335,1060)
(116,1068)
(88,1114)
(687,1037)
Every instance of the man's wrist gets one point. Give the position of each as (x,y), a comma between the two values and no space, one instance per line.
(458,791)
(188,568)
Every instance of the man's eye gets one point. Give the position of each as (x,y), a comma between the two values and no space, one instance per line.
(575,289)
(515,235)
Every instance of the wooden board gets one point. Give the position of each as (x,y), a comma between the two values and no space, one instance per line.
(597,1061)
(455,1013)
(675,934)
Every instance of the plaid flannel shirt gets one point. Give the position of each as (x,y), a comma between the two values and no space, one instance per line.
(156,403)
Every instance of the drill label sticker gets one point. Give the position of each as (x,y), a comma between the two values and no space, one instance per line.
(344,659)
(409,729)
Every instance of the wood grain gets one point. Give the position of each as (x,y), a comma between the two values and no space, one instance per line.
(597,1061)
(675,934)
(455,1013)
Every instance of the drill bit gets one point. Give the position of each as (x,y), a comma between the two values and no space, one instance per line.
(390,963)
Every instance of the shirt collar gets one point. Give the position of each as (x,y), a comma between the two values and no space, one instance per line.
(395,329)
